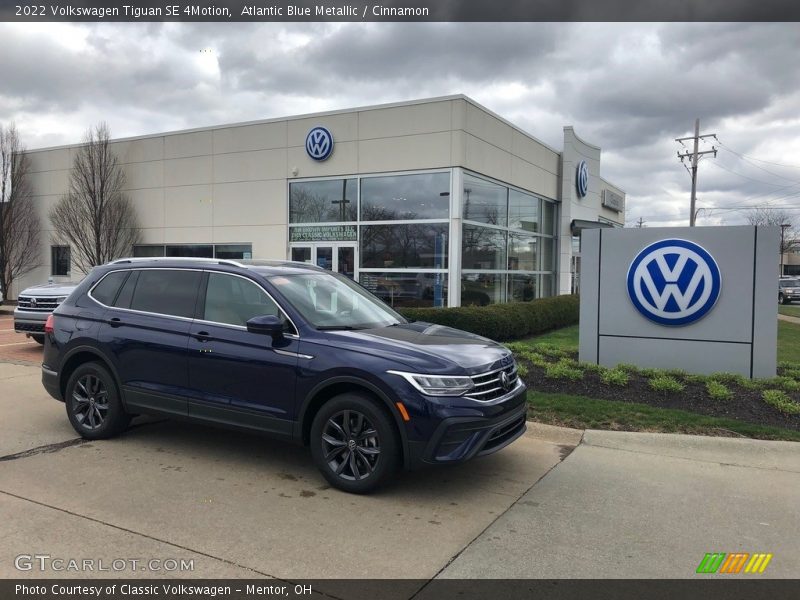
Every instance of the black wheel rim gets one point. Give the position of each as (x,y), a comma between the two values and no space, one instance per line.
(90,402)
(350,445)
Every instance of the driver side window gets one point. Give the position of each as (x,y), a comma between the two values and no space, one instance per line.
(235,300)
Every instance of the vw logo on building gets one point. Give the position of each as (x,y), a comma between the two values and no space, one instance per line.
(582,178)
(319,143)
(674,282)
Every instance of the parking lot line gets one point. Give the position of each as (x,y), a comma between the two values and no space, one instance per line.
(17,344)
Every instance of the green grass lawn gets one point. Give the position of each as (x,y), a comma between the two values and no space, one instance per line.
(566,338)
(586,413)
(789,310)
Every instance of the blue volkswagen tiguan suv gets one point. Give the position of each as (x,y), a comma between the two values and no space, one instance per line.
(283,348)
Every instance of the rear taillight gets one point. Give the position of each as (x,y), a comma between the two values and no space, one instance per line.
(48,326)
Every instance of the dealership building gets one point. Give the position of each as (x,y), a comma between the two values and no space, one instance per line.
(435,202)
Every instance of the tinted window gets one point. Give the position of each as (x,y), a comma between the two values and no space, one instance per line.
(235,301)
(106,291)
(168,292)
(405,197)
(126,293)
(393,246)
(323,201)
(485,201)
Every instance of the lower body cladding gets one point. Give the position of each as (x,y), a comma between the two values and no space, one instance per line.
(465,432)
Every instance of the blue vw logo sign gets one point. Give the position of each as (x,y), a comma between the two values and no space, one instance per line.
(582,178)
(674,282)
(319,143)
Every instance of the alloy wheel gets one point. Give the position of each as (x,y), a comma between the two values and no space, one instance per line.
(350,445)
(91,401)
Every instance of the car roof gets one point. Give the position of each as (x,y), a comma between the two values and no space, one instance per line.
(260,266)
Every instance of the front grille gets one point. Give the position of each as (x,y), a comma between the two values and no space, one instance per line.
(488,386)
(37,303)
(29,327)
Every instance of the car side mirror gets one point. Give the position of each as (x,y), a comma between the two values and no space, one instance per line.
(266,325)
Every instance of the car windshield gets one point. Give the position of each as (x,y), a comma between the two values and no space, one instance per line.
(332,302)
(790,283)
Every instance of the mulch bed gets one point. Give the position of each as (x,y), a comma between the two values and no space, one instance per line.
(745,405)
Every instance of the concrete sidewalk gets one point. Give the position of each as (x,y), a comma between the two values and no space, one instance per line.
(642,505)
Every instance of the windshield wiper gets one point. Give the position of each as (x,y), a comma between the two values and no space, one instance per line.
(337,328)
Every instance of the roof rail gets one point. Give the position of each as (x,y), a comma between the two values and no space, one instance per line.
(136,259)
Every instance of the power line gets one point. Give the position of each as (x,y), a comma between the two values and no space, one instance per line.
(719,166)
(748,157)
(752,164)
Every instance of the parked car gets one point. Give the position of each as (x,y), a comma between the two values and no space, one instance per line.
(788,290)
(34,305)
(288,349)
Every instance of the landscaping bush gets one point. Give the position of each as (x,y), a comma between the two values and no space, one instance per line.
(562,370)
(781,401)
(503,321)
(718,391)
(667,384)
(615,377)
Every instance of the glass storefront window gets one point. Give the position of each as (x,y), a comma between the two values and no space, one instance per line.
(548,245)
(522,288)
(480,289)
(233,251)
(548,217)
(148,251)
(546,285)
(190,250)
(523,251)
(404,245)
(485,202)
(405,197)
(328,201)
(483,248)
(523,211)
(407,289)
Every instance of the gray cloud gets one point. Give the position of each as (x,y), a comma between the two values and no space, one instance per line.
(630,88)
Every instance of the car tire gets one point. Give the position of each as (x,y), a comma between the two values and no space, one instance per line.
(354,443)
(39,339)
(781,299)
(93,403)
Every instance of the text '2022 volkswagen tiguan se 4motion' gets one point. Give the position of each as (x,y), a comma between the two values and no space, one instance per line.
(283,348)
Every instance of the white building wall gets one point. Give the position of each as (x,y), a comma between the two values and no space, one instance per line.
(229,184)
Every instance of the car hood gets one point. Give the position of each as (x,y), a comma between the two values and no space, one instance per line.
(50,289)
(428,348)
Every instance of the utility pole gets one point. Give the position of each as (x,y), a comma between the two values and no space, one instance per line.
(695,157)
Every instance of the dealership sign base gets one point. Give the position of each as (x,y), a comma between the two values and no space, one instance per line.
(701,299)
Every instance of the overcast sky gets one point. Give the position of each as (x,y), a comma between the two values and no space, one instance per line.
(629,88)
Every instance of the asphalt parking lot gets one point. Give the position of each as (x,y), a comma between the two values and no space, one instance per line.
(617,505)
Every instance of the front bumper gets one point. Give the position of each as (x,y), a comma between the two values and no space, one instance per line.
(30,322)
(457,439)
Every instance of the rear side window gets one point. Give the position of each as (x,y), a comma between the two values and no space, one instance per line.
(126,293)
(105,292)
(166,292)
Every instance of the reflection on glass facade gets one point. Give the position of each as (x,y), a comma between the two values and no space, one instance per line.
(407,289)
(506,259)
(326,201)
(405,197)
(523,251)
(484,201)
(523,211)
(421,245)
(480,289)
(483,248)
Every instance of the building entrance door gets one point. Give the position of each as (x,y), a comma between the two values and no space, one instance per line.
(340,257)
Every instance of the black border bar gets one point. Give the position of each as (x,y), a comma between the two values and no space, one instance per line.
(400,10)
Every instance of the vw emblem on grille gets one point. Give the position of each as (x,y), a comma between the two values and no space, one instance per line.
(505,382)
(319,143)
(674,282)
(582,178)
(34,304)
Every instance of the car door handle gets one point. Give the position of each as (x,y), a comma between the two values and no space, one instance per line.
(115,321)
(202,336)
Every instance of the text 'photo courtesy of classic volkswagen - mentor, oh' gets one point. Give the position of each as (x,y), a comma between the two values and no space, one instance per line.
(284,348)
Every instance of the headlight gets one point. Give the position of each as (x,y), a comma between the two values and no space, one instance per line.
(437,385)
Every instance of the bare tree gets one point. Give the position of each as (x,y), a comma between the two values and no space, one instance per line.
(95,218)
(19,224)
(777,217)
